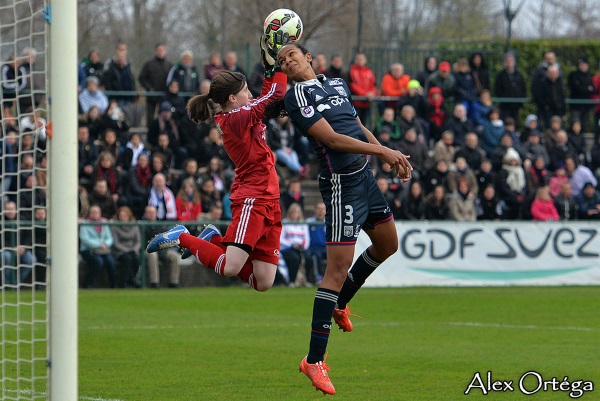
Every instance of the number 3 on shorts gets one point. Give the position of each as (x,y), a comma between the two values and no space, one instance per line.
(349,217)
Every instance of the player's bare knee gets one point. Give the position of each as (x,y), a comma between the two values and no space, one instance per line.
(384,250)
(338,272)
(231,270)
(262,287)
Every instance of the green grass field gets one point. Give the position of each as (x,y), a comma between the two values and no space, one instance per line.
(411,343)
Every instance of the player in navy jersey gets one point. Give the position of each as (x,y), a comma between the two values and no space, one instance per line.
(250,247)
(321,108)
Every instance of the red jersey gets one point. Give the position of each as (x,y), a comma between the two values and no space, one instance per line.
(244,138)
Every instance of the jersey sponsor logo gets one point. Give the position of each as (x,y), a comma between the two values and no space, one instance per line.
(341,90)
(338,101)
(322,107)
(276,252)
(348,231)
(335,81)
(318,97)
(307,111)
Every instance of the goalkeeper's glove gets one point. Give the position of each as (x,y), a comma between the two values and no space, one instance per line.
(280,39)
(269,56)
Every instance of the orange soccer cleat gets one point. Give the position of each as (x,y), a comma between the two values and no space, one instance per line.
(317,373)
(342,318)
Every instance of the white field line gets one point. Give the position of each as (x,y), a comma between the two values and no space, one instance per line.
(357,322)
(26,392)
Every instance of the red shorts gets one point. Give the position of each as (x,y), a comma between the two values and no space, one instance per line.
(256,223)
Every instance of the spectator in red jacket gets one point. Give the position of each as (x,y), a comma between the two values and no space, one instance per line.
(188,203)
(394,83)
(542,208)
(362,83)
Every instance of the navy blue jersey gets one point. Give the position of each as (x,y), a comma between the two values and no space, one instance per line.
(307,102)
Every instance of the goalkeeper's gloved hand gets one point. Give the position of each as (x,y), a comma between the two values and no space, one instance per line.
(269,56)
(280,39)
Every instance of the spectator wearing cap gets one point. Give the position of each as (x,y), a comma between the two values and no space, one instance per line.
(186,74)
(589,202)
(444,80)
(581,86)
(416,98)
(394,83)
(531,124)
(92,96)
(532,148)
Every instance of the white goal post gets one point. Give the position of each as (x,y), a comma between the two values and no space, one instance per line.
(38,200)
(63,244)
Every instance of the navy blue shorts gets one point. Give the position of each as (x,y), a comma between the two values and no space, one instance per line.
(352,201)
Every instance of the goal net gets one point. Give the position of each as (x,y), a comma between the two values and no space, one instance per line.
(24,149)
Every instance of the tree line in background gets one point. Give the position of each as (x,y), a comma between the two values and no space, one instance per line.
(330,26)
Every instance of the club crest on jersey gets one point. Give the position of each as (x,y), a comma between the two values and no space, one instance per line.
(341,90)
(348,231)
(307,111)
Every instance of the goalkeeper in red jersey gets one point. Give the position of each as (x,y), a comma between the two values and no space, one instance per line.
(250,247)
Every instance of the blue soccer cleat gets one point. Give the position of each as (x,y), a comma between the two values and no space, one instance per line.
(166,240)
(206,235)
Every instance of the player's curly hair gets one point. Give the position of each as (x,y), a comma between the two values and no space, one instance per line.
(225,83)
(276,109)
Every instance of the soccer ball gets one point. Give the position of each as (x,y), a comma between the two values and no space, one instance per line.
(283,20)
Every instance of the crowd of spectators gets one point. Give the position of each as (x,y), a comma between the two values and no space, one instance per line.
(141,158)
(459,141)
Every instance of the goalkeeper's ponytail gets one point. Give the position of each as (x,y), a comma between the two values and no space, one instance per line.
(200,108)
